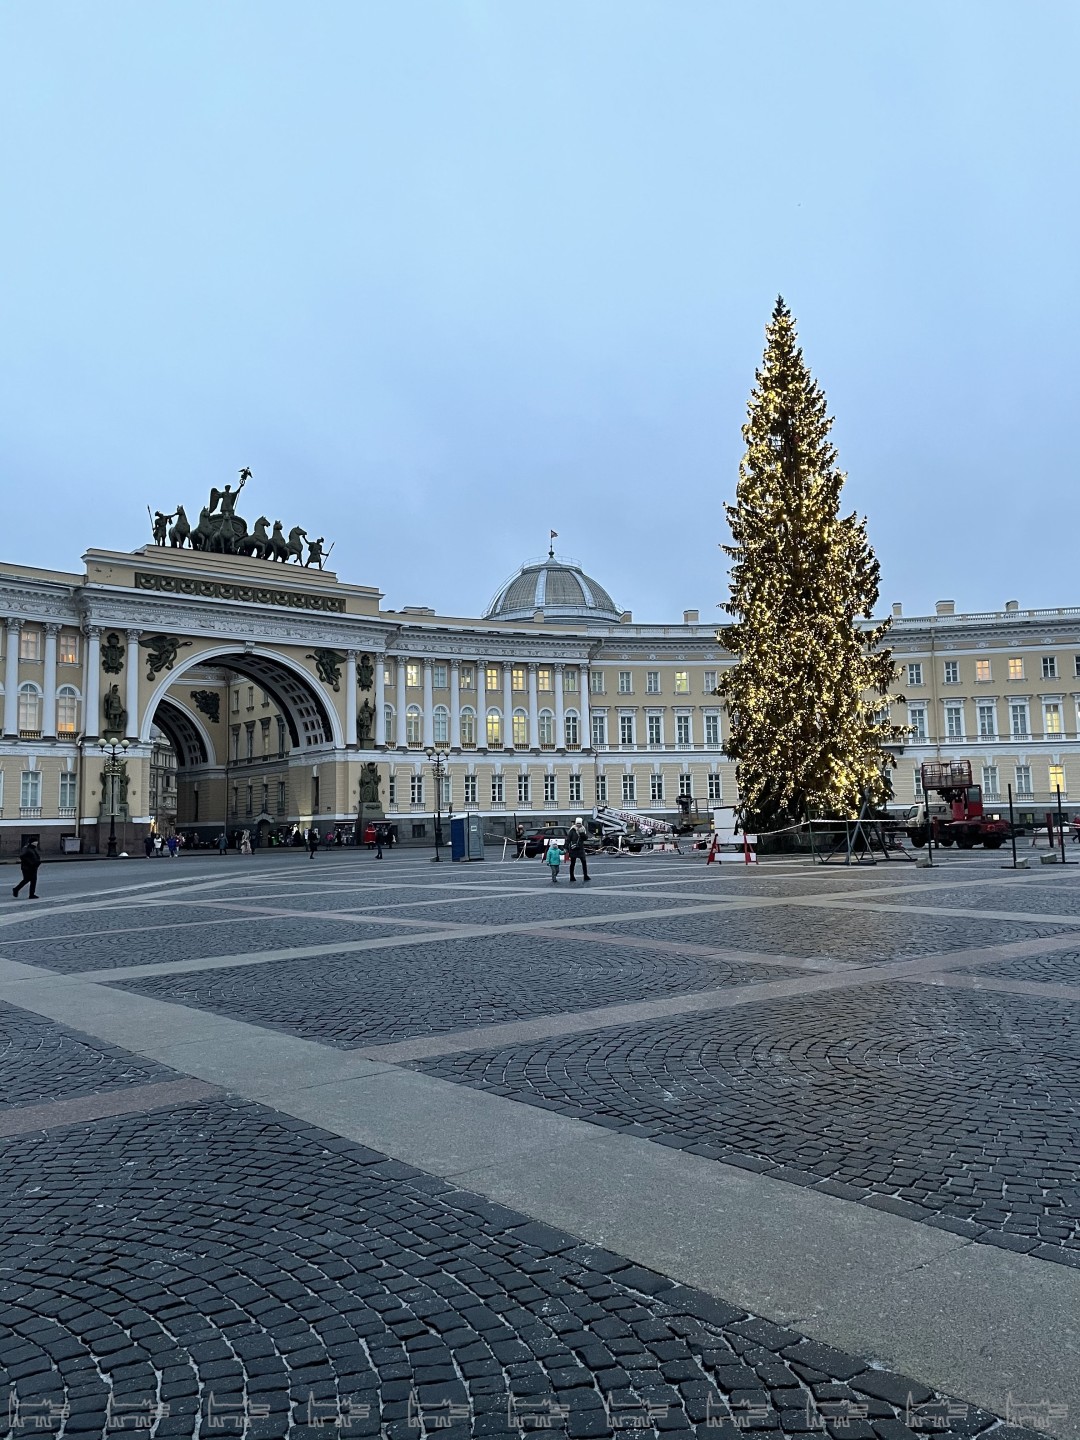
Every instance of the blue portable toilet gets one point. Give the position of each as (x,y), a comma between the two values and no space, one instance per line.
(467,837)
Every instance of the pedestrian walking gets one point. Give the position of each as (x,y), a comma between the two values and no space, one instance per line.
(553,859)
(378,842)
(148,846)
(245,843)
(312,842)
(575,848)
(173,845)
(222,843)
(29,860)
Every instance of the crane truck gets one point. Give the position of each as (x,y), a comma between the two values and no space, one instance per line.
(959,818)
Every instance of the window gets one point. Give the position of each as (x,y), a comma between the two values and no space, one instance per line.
(250,741)
(265,701)
(682,682)
(629,789)
(1057,779)
(601,789)
(247,800)
(1018,720)
(29,709)
(439,677)
(391,790)
(68,789)
(656,787)
(467,678)
(1023,780)
(416,789)
(990,783)
(572,726)
(281,797)
(67,651)
(546,727)
(29,649)
(412,676)
(30,790)
(281,735)
(446,790)
(388,675)
(388,726)
(655,727)
(575,790)
(1076,665)
(470,790)
(570,678)
(626,682)
(952,672)
(236,742)
(1049,667)
(441,725)
(686,783)
(596,682)
(1051,718)
(954,722)
(682,730)
(987,721)
(468,728)
(251,697)
(494,729)
(599,731)
(523,790)
(496,789)
(521,730)
(712,730)
(236,702)
(916,718)
(492,677)
(414,725)
(518,678)
(709,682)
(67,710)
(914,673)
(982,670)
(543,678)
(265,795)
(716,791)
(1016,668)
(626,729)
(652,682)
(550,793)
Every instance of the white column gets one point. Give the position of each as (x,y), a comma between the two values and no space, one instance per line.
(380,701)
(586,719)
(560,711)
(508,704)
(429,708)
(400,664)
(11,678)
(482,703)
(92,682)
(534,709)
(350,699)
(131,700)
(455,704)
(48,681)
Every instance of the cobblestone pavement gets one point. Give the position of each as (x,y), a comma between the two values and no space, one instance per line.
(228,1259)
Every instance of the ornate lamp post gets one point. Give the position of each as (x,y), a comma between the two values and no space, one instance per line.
(112,746)
(437,761)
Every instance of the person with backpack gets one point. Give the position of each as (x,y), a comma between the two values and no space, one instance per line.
(29,861)
(553,859)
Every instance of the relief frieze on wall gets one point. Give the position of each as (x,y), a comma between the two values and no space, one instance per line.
(246,594)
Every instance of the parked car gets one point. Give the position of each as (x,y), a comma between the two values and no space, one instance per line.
(538,841)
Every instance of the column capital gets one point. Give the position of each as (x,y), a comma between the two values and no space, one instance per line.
(351,656)
(13,624)
(92,632)
(428,663)
(560,666)
(534,666)
(455,665)
(52,627)
(133,636)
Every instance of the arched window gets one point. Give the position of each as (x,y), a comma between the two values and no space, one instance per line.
(573,730)
(30,708)
(414,734)
(67,710)
(521,730)
(441,725)
(388,724)
(468,728)
(494,729)
(547,730)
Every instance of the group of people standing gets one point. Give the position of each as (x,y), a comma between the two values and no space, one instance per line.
(155,845)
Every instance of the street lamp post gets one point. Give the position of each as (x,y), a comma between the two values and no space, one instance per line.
(112,745)
(437,760)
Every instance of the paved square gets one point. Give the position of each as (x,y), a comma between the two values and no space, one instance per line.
(406,1150)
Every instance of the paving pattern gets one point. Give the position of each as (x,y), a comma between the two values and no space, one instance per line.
(196,1261)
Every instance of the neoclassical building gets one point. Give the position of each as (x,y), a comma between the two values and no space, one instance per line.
(258,695)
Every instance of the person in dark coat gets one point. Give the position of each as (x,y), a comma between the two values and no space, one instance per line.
(29,860)
(575,848)
(312,842)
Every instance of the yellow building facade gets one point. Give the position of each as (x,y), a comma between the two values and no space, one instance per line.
(288,698)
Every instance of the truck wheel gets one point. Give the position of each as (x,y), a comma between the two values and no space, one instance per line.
(918,843)
(965,844)
(992,844)
(946,840)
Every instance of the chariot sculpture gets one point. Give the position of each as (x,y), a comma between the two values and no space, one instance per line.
(220,531)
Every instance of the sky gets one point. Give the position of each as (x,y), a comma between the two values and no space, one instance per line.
(450,274)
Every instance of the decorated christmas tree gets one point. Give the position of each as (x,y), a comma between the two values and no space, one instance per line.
(808,695)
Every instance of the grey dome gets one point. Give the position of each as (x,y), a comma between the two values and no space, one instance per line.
(558,588)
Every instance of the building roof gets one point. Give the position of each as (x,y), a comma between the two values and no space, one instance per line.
(559,589)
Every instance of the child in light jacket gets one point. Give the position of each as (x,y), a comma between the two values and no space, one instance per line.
(553,859)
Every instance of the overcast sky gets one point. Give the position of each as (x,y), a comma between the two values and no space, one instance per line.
(451,274)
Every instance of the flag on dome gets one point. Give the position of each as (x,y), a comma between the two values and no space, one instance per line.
(554,534)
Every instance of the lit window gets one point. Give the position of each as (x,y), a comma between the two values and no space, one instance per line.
(67,651)
(67,710)
(438,677)
(543,678)
(29,649)
(982,670)
(467,677)
(712,730)
(1016,668)
(518,678)
(626,682)
(1052,718)
(629,789)
(652,682)
(492,677)
(682,682)
(1057,779)
(952,672)
(682,730)
(1049,667)
(414,732)
(441,725)
(521,730)
(468,727)
(494,729)
(412,676)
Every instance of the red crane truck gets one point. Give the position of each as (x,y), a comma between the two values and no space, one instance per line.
(960,820)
